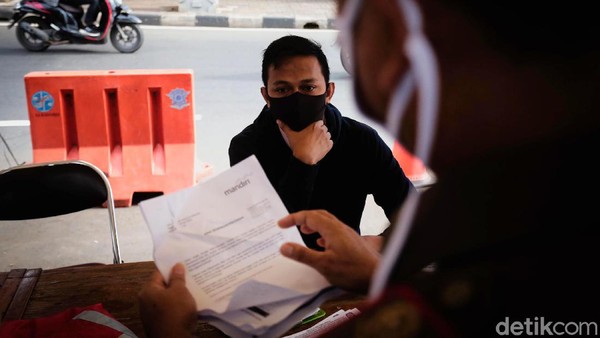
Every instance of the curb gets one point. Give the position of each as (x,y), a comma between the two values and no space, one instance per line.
(212,20)
(6,12)
(207,20)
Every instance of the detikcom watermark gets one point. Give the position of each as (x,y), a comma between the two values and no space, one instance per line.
(539,326)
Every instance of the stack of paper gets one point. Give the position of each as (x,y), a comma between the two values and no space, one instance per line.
(339,317)
(225,232)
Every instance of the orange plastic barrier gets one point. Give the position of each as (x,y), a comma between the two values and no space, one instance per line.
(135,125)
(412,166)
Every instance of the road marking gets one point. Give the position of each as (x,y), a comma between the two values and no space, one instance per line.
(14,123)
(26,123)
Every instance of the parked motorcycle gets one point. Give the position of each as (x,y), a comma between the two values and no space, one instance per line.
(41,24)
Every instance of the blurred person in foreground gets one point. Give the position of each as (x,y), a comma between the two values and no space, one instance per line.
(500,100)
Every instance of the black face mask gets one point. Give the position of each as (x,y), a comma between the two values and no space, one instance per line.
(298,110)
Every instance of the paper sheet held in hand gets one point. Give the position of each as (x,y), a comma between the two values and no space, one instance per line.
(225,232)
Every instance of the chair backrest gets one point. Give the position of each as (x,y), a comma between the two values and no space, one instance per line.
(48,189)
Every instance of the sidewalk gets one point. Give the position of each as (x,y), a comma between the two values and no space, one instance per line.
(228,13)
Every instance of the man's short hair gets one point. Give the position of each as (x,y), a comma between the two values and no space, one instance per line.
(289,46)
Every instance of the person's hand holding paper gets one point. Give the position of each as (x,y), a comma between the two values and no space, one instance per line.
(225,232)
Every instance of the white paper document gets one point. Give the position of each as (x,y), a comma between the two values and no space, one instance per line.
(225,232)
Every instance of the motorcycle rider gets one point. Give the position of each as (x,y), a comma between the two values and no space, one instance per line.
(91,14)
(36,31)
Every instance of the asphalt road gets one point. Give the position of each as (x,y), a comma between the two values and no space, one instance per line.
(226,65)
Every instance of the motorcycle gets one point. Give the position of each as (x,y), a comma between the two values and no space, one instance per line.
(41,24)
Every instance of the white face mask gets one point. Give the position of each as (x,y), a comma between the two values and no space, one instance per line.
(422,76)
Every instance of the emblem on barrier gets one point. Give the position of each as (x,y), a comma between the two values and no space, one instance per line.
(42,101)
(178,98)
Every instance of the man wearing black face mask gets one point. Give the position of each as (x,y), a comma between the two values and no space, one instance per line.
(314,157)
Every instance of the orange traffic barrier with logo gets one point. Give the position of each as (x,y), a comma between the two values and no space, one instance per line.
(135,125)
(412,166)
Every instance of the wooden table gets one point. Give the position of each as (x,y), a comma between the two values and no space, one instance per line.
(32,293)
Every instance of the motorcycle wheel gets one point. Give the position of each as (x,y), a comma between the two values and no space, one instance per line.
(29,41)
(129,41)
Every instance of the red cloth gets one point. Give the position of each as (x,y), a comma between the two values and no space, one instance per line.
(63,325)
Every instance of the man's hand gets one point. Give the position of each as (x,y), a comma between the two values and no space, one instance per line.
(167,309)
(348,261)
(310,144)
(376,242)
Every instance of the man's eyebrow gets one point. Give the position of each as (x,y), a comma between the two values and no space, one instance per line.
(283,82)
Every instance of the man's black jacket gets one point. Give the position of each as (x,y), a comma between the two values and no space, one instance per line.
(359,164)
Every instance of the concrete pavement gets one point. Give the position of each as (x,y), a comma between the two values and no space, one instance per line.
(318,14)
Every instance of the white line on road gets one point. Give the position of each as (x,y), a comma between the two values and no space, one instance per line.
(25,123)
(14,123)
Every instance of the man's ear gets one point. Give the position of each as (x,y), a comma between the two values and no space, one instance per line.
(391,69)
(263,92)
(330,91)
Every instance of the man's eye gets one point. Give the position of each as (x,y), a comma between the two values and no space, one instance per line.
(280,90)
(308,89)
